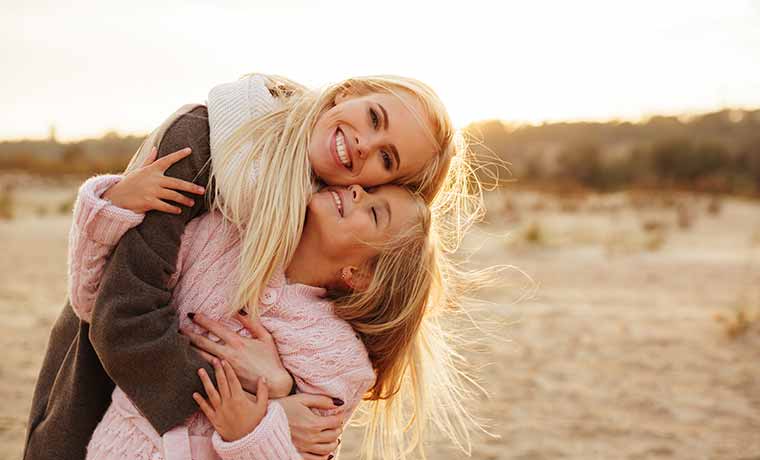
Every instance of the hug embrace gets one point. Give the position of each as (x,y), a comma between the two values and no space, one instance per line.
(302,275)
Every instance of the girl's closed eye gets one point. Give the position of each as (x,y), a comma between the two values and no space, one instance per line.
(374,215)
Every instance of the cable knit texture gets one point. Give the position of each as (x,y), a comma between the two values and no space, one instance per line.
(319,349)
(92,238)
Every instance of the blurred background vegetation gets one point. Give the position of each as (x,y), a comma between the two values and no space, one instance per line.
(716,152)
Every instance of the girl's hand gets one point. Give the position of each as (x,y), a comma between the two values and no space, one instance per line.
(233,413)
(315,436)
(144,189)
(251,358)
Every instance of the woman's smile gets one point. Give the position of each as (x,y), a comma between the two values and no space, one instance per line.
(341,150)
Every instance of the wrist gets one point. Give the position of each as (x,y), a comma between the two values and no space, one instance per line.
(281,386)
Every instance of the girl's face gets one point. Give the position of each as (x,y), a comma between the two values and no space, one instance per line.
(370,140)
(349,222)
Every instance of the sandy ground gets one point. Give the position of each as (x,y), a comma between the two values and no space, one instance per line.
(616,355)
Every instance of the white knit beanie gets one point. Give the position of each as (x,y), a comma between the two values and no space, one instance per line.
(230,105)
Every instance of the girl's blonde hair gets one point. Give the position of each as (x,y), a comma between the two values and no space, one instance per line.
(412,282)
(269,211)
(419,381)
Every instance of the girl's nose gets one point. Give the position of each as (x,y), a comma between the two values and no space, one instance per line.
(357,192)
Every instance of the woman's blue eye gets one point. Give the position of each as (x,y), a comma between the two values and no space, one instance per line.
(386,160)
(373,117)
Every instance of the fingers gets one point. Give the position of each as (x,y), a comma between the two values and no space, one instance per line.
(159,205)
(162,164)
(315,401)
(177,197)
(151,157)
(323,448)
(216,328)
(309,456)
(232,380)
(181,185)
(213,395)
(207,356)
(328,436)
(262,393)
(206,345)
(221,380)
(254,326)
(331,422)
(208,411)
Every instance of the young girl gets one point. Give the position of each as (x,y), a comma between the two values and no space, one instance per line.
(345,250)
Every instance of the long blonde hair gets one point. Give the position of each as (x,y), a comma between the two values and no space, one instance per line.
(399,316)
(269,212)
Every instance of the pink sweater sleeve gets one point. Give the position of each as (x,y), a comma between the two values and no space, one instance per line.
(96,228)
(325,358)
(270,440)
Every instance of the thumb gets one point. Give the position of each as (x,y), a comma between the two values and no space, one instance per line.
(317,401)
(262,392)
(151,157)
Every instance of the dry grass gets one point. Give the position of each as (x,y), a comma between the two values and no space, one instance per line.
(714,206)
(6,203)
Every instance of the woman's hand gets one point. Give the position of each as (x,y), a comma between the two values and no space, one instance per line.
(233,413)
(144,189)
(315,436)
(251,358)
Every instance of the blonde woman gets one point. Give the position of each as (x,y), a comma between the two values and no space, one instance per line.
(263,170)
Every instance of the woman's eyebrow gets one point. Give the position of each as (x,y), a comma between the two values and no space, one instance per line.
(386,124)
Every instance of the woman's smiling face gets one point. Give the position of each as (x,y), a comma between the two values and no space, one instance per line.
(371,139)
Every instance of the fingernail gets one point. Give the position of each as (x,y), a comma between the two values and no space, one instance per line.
(201,190)
(339,441)
(337,402)
(243,312)
(330,457)
(191,315)
(264,380)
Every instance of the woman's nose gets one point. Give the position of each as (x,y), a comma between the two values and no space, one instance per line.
(357,192)
(361,148)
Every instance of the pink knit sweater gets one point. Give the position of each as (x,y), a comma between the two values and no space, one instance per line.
(319,349)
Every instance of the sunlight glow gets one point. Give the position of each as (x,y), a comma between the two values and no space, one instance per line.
(99,66)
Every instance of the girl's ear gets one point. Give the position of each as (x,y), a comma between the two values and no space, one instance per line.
(355,279)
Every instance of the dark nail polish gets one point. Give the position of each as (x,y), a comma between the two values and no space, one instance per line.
(338,441)
(191,315)
(337,402)
(330,457)
(243,312)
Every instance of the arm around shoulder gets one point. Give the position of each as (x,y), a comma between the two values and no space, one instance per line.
(134,330)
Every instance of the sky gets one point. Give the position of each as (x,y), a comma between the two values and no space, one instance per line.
(89,67)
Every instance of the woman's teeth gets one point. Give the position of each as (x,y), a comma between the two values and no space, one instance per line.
(340,146)
(338,202)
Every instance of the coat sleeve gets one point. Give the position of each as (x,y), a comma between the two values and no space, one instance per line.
(134,330)
(96,228)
